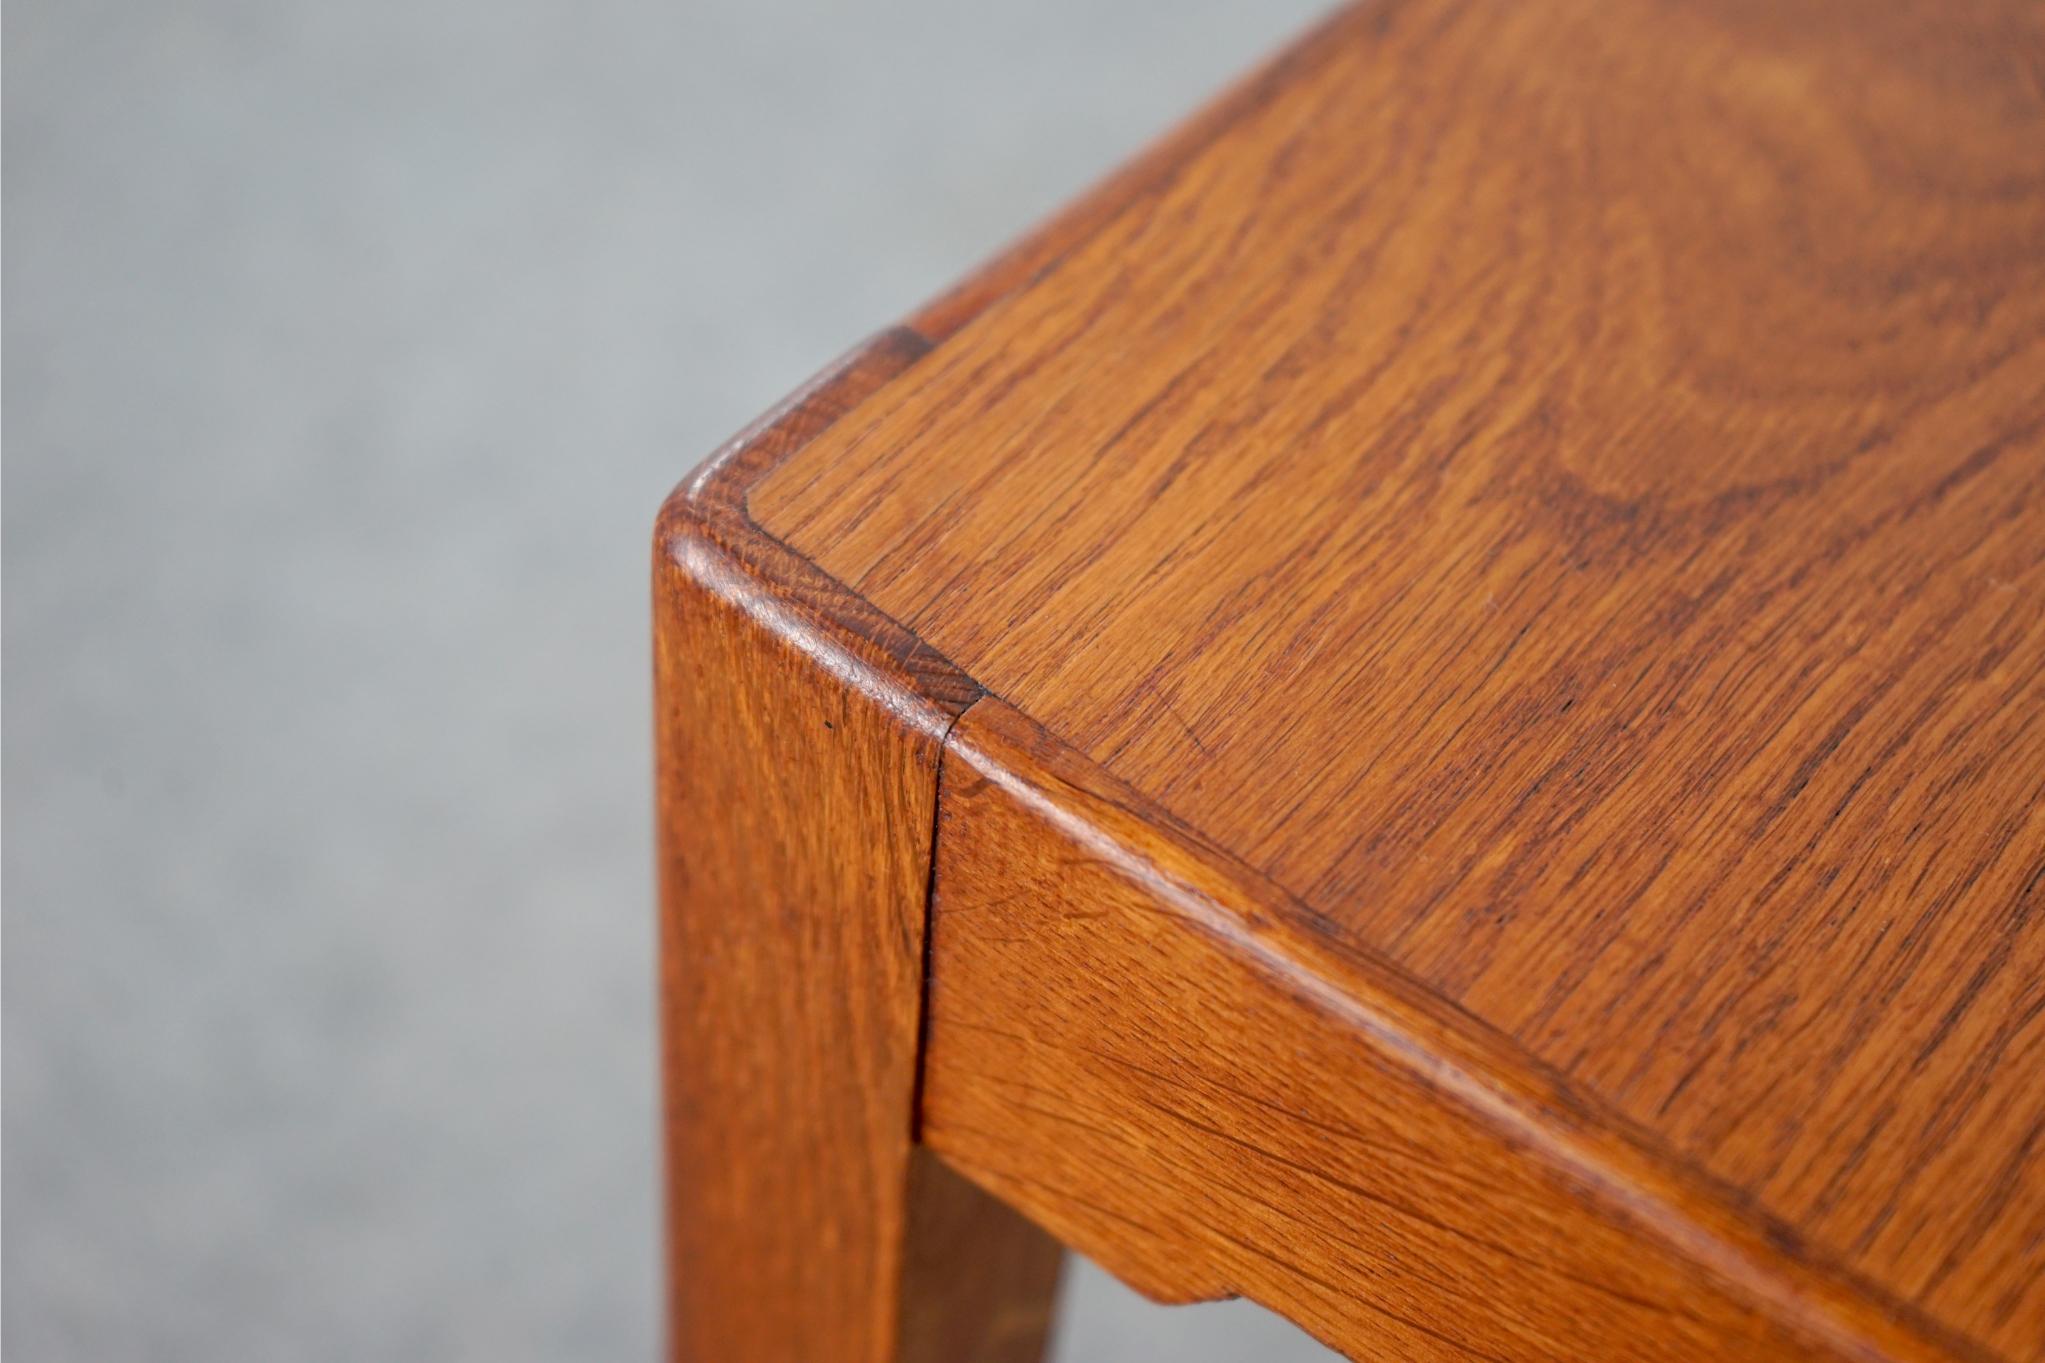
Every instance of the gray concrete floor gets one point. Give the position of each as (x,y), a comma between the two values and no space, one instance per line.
(349,350)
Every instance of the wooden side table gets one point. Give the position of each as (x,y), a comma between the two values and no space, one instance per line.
(1430,709)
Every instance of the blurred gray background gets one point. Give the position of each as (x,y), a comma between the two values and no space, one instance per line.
(349,349)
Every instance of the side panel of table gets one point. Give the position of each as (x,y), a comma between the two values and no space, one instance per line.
(1126,1041)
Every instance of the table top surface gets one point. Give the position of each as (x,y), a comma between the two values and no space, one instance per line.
(1560,489)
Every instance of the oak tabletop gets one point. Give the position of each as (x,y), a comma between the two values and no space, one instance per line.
(1560,490)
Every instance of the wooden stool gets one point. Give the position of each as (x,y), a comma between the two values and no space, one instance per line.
(1430,709)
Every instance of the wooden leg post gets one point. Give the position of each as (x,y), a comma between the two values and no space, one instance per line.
(799,741)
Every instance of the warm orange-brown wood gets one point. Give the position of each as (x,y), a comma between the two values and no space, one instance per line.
(1132,1039)
(979,1281)
(1557,493)
(798,736)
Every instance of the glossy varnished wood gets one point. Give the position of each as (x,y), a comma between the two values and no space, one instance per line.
(1131,1039)
(1557,492)
(798,739)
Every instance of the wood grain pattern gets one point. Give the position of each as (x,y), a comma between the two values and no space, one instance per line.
(798,734)
(1130,1039)
(1044,247)
(1559,490)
